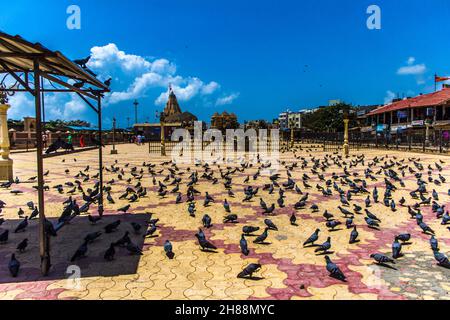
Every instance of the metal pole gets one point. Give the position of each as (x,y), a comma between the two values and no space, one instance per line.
(163,139)
(44,241)
(136,103)
(346,147)
(114,151)
(100,154)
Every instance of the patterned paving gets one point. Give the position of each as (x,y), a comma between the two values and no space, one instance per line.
(289,271)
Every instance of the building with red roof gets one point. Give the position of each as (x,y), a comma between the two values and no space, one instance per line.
(426,110)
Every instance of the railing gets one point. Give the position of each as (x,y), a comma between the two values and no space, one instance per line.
(332,142)
(27,140)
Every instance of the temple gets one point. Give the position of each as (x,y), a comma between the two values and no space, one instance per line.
(172,111)
(172,116)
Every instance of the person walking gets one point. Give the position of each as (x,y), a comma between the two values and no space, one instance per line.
(82,145)
(44,139)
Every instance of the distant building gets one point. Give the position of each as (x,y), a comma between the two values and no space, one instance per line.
(334,102)
(431,109)
(289,119)
(173,118)
(172,111)
(224,121)
(362,119)
(29,124)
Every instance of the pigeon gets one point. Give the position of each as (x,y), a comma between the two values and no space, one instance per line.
(434,243)
(92,236)
(425,228)
(81,252)
(22,225)
(4,236)
(34,213)
(441,259)
(230,218)
(293,219)
(168,249)
(371,215)
(349,223)
(328,216)
(109,253)
(14,266)
(353,236)
(206,221)
(334,270)
(124,240)
(332,224)
(136,227)
(226,206)
(404,237)
(82,62)
(22,245)
(133,249)
(249,270)
(381,258)
(270,209)
(205,244)
(150,232)
(243,245)
(94,220)
(124,209)
(313,238)
(248,230)
(262,237)
(270,224)
(396,249)
(112,226)
(324,247)
(371,223)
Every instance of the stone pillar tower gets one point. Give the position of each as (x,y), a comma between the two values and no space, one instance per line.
(6,164)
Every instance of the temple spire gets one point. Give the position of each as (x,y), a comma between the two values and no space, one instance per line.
(172,106)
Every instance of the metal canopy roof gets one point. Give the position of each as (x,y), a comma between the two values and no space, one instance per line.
(18,55)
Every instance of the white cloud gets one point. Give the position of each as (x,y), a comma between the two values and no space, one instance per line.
(227,99)
(110,56)
(411,61)
(210,87)
(133,77)
(21,106)
(389,97)
(139,75)
(412,70)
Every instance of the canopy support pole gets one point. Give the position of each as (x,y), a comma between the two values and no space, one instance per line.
(44,241)
(100,153)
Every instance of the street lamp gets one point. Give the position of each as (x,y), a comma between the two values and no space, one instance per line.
(114,151)
(291,126)
(136,103)
(346,121)
(163,138)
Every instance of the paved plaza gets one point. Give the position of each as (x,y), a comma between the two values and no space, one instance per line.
(288,269)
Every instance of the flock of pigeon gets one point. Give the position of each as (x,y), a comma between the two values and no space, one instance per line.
(167,180)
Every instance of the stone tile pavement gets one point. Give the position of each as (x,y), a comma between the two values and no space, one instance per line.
(288,271)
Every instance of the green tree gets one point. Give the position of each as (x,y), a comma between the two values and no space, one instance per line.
(329,119)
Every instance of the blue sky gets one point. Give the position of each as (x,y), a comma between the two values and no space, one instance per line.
(254,58)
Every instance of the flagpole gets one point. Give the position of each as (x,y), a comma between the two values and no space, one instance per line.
(435,83)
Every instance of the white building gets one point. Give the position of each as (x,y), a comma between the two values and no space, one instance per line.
(290,119)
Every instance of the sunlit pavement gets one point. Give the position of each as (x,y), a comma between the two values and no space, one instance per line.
(288,271)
